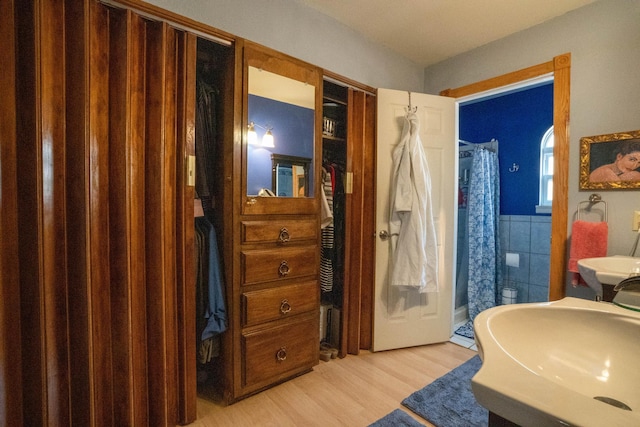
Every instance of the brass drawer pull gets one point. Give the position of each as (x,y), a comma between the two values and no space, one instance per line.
(281,354)
(284,236)
(285,307)
(284,268)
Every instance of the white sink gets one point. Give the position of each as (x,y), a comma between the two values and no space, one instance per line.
(553,364)
(609,270)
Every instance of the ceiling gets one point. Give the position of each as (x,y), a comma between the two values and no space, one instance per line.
(430,31)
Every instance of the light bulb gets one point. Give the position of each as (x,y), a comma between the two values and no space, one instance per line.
(267,139)
(252,136)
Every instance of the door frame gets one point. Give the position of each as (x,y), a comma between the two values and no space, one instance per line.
(560,68)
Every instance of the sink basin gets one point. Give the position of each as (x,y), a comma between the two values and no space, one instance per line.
(568,362)
(609,270)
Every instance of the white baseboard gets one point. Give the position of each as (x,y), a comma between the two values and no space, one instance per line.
(461,315)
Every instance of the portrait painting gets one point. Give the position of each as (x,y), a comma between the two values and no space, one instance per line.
(610,162)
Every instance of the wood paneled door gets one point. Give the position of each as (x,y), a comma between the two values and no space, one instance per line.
(96,230)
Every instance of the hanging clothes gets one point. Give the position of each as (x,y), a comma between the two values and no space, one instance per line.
(327,253)
(205,143)
(339,209)
(414,257)
(485,272)
(211,319)
(326,211)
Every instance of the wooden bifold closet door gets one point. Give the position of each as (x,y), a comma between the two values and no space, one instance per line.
(96,223)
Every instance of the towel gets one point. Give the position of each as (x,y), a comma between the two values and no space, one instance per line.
(588,240)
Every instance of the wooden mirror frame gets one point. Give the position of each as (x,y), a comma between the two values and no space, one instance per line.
(267,59)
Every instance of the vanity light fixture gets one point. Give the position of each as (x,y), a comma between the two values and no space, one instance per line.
(267,139)
(252,136)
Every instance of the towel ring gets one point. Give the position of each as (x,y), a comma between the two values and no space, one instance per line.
(594,199)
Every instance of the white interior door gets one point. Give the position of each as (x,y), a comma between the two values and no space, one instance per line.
(408,318)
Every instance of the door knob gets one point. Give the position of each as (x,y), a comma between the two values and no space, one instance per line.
(385,235)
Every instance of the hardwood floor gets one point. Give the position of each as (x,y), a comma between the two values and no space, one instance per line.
(354,391)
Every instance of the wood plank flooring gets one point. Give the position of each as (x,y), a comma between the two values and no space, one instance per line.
(354,391)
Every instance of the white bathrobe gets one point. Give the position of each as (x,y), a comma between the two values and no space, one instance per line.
(414,259)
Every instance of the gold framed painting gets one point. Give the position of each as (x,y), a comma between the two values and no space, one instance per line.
(610,162)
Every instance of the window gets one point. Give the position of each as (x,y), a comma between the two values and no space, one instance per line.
(546,173)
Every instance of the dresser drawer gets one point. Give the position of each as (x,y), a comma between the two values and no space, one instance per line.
(279,302)
(264,265)
(279,231)
(276,353)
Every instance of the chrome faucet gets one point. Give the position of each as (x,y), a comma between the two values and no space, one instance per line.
(634,248)
(628,293)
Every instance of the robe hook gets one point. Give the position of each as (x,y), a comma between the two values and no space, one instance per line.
(411,109)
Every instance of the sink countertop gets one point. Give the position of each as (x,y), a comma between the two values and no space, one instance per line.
(529,384)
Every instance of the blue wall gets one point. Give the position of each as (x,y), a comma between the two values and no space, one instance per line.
(518,121)
(293,129)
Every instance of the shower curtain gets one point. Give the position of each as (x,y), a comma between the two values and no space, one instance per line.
(483,211)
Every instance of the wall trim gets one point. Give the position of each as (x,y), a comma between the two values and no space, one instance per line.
(560,67)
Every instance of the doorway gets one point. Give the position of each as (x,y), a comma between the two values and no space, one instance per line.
(560,68)
(515,121)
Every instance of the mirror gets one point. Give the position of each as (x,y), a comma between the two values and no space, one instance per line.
(285,109)
(290,175)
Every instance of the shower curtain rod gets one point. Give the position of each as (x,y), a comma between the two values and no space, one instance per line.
(470,146)
(462,141)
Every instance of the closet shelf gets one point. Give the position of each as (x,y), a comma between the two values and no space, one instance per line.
(333,138)
(330,98)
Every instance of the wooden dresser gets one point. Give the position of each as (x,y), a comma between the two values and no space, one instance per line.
(279,298)
(275,294)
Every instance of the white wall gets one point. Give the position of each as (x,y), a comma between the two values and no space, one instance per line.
(304,33)
(604,41)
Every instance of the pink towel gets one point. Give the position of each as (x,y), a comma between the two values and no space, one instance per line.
(588,240)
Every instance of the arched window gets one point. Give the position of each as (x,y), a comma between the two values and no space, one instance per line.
(546,173)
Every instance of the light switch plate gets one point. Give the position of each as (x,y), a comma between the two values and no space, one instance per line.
(191,171)
(348,185)
(636,220)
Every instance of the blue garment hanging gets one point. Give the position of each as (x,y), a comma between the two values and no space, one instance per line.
(214,311)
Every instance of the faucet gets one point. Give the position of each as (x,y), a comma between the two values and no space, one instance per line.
(635,244)
(628,293)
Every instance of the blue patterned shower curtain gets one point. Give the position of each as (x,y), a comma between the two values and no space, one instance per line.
(485,275)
